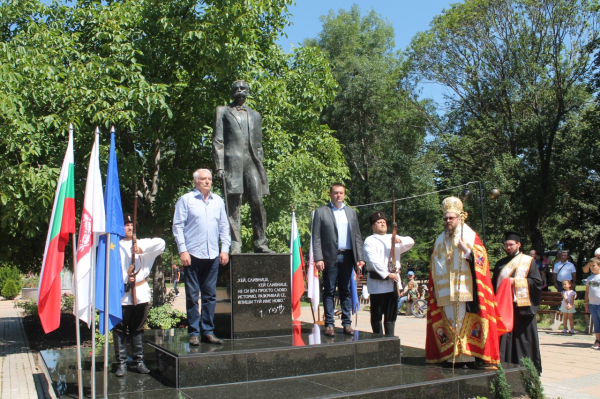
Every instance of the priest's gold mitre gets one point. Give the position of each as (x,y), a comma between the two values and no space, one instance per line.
(449,269)
(454,205)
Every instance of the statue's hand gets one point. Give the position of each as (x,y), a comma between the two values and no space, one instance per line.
(220,173)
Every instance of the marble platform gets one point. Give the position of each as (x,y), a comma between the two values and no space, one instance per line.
(306,364)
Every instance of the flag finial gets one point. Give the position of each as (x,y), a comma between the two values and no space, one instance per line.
(97,130)
(70,128)
(112,129)
(292,208)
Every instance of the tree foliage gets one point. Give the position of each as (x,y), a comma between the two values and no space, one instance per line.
(381,132)
(156,70)
(516,72)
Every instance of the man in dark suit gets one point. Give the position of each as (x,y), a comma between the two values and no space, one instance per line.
(337,248)
(238,154)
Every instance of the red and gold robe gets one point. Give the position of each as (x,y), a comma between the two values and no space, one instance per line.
(478,334)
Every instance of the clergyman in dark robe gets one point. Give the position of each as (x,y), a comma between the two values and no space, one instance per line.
(238,155)
(526,282)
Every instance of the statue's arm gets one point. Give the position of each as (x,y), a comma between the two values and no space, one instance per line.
(218,146)
(260,151)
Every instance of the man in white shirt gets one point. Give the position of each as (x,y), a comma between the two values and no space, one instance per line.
(383,280)
(564,270)
(135,315)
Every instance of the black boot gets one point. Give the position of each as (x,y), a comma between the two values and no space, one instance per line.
(389,328)
(137,345)
(120,341)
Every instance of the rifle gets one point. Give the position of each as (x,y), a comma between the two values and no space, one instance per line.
(392,265)
(131,271)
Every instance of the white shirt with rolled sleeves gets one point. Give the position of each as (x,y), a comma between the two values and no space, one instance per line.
(198,226)
(565,271)
(377,253)
(152,248)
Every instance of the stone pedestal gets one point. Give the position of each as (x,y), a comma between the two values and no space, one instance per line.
(261,295)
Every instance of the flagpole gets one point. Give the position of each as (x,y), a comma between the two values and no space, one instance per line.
(106,343)
(93,315)
(77,332)
(312,309)
(93,368)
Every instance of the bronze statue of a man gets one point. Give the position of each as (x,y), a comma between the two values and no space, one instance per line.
(238,153)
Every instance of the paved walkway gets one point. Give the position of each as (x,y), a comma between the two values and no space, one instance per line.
(20,376)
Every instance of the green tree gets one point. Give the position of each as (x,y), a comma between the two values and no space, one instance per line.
(514,71)
(381,131)
(157,70)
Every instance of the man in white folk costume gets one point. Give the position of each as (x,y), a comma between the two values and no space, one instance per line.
(135,312)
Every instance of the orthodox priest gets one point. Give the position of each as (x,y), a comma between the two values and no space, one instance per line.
(523,285)
(461,316)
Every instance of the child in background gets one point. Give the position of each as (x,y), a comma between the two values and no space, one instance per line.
(413,294)
(567,307)
(592,297)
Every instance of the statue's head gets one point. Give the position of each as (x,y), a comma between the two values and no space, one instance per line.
(239,91)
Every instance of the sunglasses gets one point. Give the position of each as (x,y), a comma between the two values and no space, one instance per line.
(449,219)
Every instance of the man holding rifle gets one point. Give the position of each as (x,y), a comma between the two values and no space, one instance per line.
(136,300)
(383,280)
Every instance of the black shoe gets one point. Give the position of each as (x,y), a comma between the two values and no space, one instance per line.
(121,370)
(211,339)
(137,345)
(141,368)
(120,342)
(194,340)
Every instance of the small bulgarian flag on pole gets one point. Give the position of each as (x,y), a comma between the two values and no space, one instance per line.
(62,224)
(297,265)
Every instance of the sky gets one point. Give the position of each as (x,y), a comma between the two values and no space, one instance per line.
(407,17)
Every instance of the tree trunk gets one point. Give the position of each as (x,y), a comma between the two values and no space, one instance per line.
(158,283)
(535,233)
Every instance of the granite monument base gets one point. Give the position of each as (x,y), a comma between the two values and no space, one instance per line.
(306,364)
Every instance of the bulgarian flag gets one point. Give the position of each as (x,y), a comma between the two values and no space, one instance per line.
(62,223)
(312,277)
(297,269)
(92,225)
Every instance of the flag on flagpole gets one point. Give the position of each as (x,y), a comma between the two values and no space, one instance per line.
(312,277)
(114,227)
(354,291)
(297,269)
(62,223)
(92,225)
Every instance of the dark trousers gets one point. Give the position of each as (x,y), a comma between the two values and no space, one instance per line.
(338,274)
(383,305)
(134,318)
(258,215)
(201,279)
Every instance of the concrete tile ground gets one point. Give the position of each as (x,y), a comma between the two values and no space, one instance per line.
(571,368)
(20,377)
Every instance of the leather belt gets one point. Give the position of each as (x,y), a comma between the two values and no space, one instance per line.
(341,251)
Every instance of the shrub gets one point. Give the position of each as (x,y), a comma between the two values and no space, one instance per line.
(531,379)
(165,317)
(29,306)
(499,387)
(31,282)
(10,273)
(66,303)
(10,290)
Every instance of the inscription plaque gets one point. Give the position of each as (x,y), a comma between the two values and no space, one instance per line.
(261,295)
